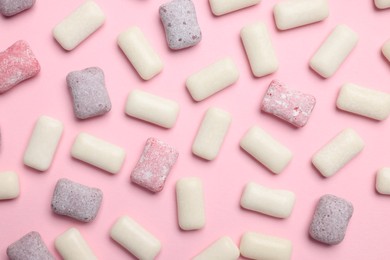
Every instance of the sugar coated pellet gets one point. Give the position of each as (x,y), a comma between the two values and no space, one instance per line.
(260,246)
(212,79)
(223,248)
(338,152)
(31,247)
(220,7)
(75,200)
(17,63)
(264,148)
(294,13)
(140,53)
(290,105)
(190,203)
(72,246)
(154,165)
(12,7)
(151,108)
(79,25)
(273,202)
(211,133)
(382,4)
(135,238)
(259,49)
(89,93)
(383,181)
(99,153)
(333,51)
(330,220)
(386,50)
(43,143)
(9,185)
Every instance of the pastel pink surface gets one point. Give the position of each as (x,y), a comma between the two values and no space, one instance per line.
(223,179)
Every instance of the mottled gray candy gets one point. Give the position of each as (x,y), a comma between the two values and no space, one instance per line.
(180,24)
(76,200)
(89,93)
(12,7)
(330,220)
(31,247)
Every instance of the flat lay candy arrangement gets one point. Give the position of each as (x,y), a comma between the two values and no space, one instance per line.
(194,129)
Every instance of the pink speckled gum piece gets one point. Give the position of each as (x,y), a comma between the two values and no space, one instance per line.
(292,106)
(17,63)
(154,165)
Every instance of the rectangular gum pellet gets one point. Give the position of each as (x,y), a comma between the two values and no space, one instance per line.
(98,153)
(382,182)
(79,25)
(190,203)
(212,79)
(338,152)
(364,101)
(9,185)
(13,7)
(72,246)
(265,149)
(31,247)
(221,7)
(135,238)
(273,202)
(295,13)
(333,51)
(386,50)
(211,133)
(382,4)
(140,53)
(223,248)
(151,108)
(260,246)
(259,49)
(43,143)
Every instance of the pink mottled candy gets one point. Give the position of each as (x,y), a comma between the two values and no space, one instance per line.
(17,63)
(154,165)
(290,105)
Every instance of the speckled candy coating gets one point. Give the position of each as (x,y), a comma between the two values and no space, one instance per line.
(180,24)
(12,7)
(76,200)
(31,247)
(330,220)
(17,63)
(290,105)
(154,165)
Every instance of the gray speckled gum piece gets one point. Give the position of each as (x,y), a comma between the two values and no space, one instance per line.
(89,93)
(31,247)
(12,7)
(76,200)
(180,24)
(330,220)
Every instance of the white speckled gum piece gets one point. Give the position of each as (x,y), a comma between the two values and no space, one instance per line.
(9,185)
(382,4)
(383,181)
(224,248)
(72,246)
(221,7)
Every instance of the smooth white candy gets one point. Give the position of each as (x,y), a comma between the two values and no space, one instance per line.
(135,238)
(259,49)
(224,248)
(386,49)
(43,143)
(294,13)
(98,153)
(333,51)
(220,7)
(272,202)
(259,246)
(383,181)
(212,79)
(80,24)
(140,53)
(364,101)
(190,203)
(382,4)
(153,109)
(9,185)
(338,152)
(72,246)
(264,148)
(211,133)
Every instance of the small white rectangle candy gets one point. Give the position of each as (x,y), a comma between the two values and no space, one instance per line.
(386,49)
(333,51)
(383,181)
(137,240)
(190,203)
(382,4)
(140,53)
(272,202)
(294,13)
(9,185)
(259,49)
(153,109)
(211,133)
(80,24)
(98,153)
(264,148)
(259,246)
(220,7)
(364,101)
(72,246)
(224,248)
(43,143)
(338,152)
(212,79)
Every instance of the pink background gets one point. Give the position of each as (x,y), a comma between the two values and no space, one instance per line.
(224,179)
